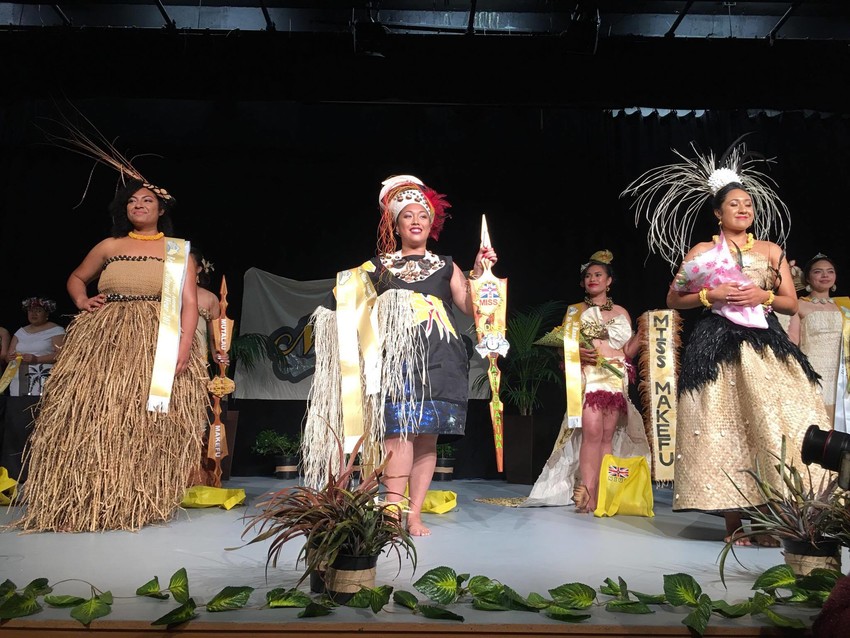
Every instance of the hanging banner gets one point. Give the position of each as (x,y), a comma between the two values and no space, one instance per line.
(280,308)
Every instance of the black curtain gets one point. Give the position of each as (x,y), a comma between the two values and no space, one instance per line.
(291,187)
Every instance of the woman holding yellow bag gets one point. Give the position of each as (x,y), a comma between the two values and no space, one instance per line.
(598,342)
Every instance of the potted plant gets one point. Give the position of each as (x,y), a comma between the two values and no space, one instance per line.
(283,447)
(525,370)
(345,528)
(811,521)
(444,471)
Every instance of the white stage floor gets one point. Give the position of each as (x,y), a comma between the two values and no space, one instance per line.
(530,550)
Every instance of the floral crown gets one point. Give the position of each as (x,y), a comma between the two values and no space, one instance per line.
(39,302)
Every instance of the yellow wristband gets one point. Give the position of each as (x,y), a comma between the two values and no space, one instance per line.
(769,301)
(703,298)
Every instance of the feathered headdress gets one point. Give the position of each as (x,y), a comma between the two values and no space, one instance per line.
(670,198)
(400,191)
(93,144)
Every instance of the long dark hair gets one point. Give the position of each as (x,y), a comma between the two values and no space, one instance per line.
(118,210)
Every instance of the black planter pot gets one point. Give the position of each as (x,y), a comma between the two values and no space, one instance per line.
(804,548)
(444,471)
(347,574)
(803,557)
(286,467)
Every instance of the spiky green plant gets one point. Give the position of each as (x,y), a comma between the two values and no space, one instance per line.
(332,520)
(802,510)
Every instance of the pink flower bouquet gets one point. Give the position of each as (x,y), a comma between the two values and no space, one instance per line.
(711,269)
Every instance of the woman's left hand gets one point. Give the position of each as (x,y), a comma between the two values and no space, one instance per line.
(484,253)
(745,295)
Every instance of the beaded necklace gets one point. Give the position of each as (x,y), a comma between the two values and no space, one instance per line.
(135,235)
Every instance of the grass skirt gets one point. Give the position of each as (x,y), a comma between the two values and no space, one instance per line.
(97,459)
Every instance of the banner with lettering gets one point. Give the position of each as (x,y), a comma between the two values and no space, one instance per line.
(659,366)
(280,308)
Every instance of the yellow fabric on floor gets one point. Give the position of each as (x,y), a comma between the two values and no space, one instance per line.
(439,502)
(8,487)
(203,496)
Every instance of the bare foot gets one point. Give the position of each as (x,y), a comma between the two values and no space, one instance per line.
(416,528)
(765,540)
(740,541)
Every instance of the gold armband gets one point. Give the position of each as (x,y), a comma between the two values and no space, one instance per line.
(768,303)
(703,298)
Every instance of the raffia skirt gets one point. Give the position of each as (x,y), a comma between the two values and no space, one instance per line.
(741,391)
(97,459)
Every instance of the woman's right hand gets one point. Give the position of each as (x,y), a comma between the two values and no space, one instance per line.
(587,356)
(92,303)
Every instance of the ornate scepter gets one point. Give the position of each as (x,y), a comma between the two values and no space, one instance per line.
(220,386)
(489,300)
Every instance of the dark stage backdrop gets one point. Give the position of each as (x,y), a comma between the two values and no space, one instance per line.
(290,187)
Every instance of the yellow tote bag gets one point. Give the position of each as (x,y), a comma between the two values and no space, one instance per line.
(625,487)
(8,487)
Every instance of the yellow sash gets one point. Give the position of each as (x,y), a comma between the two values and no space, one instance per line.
(357,330)
(10,372)
(842,398)
(572,365)
(660,372)
(168,337)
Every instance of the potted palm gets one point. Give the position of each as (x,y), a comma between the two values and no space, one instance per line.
(283,447)
(809,519)
(344,528)
(444,470)
(525,370)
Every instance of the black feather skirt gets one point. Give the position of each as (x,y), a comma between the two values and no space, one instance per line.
(716,341)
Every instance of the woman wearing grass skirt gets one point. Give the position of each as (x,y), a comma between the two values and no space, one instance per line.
(107,451)
(743,386)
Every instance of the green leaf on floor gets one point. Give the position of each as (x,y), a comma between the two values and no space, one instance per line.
(819,580)
(38,587)
(151,589)
(610,588)
(783,621)
(183,613)
(179,585)
(439,584)
(18,606)
(731,611)
(699,617)
(230,598)
(314,610)
(650,599)
(405,599)
(379,597)
(105,597)
(564,615)
(287,598)
(438,613)
(63,601)
(681,589)
(538,601)
(573,596)
(482,585)
(490,604)
(461,579)
(760,602)
(92,608)
(628,606)
(780,576)
(624,589)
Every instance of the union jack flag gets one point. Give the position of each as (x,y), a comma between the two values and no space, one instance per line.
(488,290)
(615,471)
